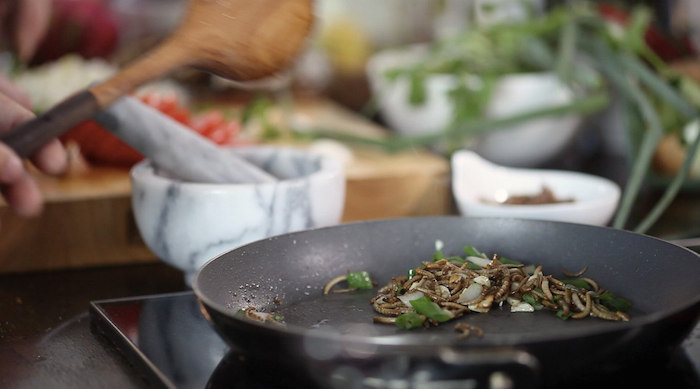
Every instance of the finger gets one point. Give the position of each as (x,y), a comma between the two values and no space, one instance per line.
(52,158)
(18,188)
(23,196)
(14,92)
(31,25)
(11,168)
(12,113)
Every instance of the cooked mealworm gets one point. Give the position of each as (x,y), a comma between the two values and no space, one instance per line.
(575,275)
(594,284)
(603,313)
(504,290)
(466,329)
(545,289)
(384,319)
(424,273)
(577,301)
(333,283)
(587,308)
(455,306)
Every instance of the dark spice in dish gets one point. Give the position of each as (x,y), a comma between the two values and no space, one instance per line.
(545,196)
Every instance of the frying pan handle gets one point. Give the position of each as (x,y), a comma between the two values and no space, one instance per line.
(29,136)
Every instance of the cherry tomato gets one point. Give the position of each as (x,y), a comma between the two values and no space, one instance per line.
(101,147)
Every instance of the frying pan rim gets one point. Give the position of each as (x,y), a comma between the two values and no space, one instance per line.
(488,340)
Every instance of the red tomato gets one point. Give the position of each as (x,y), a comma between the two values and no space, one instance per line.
(101,147)
(169,105)
(213,126)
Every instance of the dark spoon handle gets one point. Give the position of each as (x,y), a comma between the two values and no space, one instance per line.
(29,136)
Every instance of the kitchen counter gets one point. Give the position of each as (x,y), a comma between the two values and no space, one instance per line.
(45,335)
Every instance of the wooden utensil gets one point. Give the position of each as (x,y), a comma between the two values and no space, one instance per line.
(237,39)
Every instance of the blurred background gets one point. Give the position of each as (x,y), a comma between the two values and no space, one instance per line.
(397,146)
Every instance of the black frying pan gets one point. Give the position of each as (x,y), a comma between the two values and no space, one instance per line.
(332,337)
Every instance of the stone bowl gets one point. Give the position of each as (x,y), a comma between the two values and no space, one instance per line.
(186,224)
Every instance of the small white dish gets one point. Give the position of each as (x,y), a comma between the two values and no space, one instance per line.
(526,144)
(479,188)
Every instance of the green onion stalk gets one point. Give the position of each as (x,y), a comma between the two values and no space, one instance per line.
(594,59)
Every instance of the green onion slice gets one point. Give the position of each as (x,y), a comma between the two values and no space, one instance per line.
(424,305)
(359,279)
(410,320)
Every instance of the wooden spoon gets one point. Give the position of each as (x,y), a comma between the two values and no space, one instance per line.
(240,40)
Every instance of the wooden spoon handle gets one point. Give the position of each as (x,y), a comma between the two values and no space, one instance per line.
(29,136)
(157,63)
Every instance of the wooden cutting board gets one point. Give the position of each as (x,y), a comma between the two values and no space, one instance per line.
(87,220)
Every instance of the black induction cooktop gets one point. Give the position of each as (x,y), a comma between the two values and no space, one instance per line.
(169,340)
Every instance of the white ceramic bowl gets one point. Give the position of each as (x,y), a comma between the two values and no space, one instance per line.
(526,145)
(185,224)
(478,184)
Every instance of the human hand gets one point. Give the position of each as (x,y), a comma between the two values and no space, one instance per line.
(23,24)
(16,184)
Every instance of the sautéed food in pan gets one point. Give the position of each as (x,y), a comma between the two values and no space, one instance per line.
(446,288)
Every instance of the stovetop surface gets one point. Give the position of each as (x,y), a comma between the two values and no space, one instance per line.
(168,338)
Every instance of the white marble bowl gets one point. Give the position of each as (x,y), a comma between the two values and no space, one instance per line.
(526,144)
(479,185)
(186,224)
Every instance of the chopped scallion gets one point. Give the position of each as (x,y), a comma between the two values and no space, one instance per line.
(424,305)
(410,320)
(359,279)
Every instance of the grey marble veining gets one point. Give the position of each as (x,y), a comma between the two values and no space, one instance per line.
(175,148)
(186,224)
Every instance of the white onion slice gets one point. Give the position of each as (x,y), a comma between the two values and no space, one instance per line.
(522,306)
(469,294)
(482,280)
(406,298)
(480,261)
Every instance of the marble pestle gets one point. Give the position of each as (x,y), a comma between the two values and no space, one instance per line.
(175,148)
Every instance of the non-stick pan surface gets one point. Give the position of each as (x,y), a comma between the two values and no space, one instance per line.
(286,274)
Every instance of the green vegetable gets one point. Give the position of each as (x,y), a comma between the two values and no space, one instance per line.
(509,261)
(456,259)
(600,64)
(473,266)
(471,251)
(410,320)
(530,299)
(424,305)
(359,280)
(561,315)
(411,273)
(613,302)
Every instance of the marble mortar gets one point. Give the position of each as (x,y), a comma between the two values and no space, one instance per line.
(186,223)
